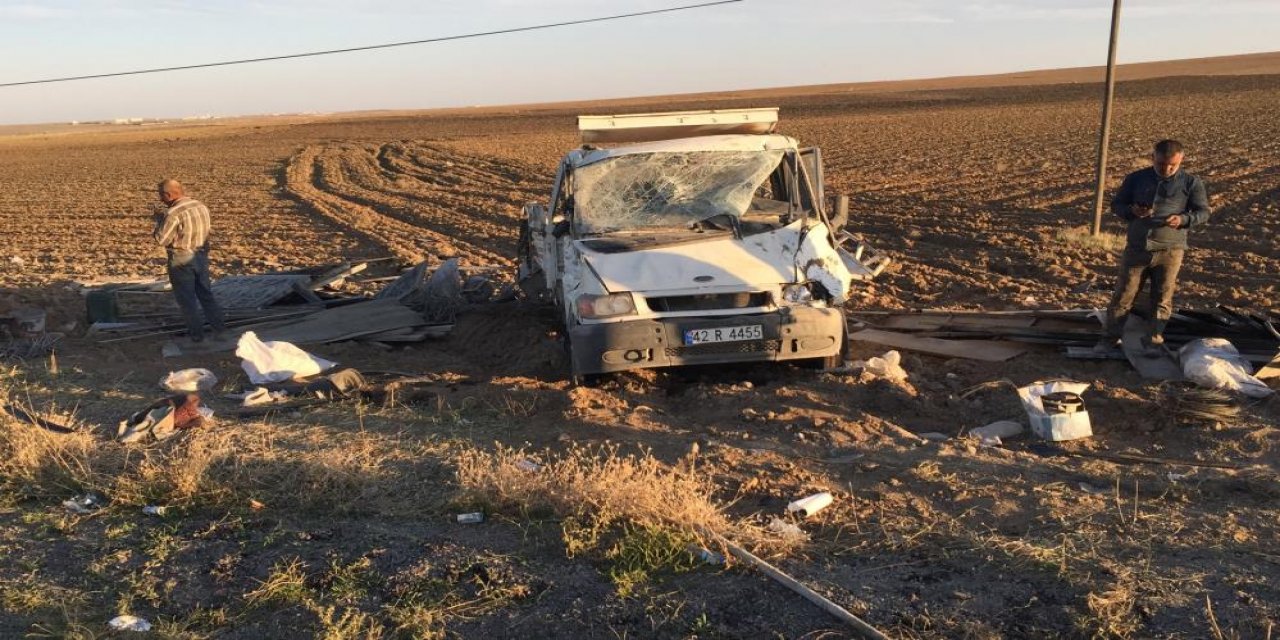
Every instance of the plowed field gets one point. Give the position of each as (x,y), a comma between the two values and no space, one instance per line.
(977,193)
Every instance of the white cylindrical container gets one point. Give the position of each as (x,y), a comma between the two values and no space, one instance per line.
(810,505)
(470,518)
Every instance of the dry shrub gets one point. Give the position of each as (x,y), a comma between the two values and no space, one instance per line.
(1082,237)
(37,463)
(349,472)
(596,489)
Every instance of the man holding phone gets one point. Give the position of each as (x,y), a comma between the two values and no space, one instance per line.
(1159,204)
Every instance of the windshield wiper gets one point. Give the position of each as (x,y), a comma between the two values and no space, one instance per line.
(735,224)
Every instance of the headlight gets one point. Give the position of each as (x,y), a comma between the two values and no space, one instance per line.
(606,306)
(797,293)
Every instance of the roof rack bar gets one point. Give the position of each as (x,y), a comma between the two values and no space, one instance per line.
(640,127)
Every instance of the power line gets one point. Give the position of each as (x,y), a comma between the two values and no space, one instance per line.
(310,54)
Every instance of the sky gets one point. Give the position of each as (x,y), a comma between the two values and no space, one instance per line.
(749,44)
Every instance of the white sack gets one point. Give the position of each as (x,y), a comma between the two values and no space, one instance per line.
(189,380)
(277,361)
(1215,363)
(887,365)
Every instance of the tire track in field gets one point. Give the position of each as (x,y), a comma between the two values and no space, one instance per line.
(417,200)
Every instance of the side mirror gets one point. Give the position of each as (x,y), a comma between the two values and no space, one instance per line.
(840,213)
(561,229)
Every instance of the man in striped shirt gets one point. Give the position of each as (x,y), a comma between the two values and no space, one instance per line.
(183,231)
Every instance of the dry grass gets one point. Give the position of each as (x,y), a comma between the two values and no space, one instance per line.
(1081,237)
(310,470)
(598,489)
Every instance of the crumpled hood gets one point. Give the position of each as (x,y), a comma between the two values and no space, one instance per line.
(760,260)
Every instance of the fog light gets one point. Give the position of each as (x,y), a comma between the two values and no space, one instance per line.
(797,293)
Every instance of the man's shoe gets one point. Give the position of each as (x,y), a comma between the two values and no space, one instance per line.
(1154,346)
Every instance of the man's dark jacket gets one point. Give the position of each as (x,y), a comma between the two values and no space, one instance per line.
(1180,194)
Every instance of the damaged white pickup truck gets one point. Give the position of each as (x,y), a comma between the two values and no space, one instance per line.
(705,238)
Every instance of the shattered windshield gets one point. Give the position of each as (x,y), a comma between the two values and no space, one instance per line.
(667,189)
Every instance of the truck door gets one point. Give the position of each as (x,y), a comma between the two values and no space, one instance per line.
(812,193)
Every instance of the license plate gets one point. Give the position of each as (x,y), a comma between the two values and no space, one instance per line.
(724,334)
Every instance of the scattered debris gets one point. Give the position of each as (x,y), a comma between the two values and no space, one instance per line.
(834,609)
(189,380)
(1058,425)
(409,281)
(1254,334)
(24,330)
(1216,364)
(887,365)
(153,510)
(809,505)
(261,396)
(1190,404)
(163,418)
(706,555)
(39,421)
(129,623)
(298,306)
(528,465)
(1001,429)
(1090,489)
(25,348)
(982,350)
(83,504)
(1050,451)
(276,361)
(786,530)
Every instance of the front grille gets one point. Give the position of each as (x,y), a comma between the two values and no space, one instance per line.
(709,302)
(722,348)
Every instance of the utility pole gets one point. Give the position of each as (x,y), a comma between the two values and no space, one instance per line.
(1106,120)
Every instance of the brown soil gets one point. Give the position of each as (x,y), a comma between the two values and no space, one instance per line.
(968,187)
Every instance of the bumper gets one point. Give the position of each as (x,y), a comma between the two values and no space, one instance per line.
(791,333)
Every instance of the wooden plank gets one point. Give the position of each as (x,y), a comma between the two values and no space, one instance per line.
(984,350)
(1159,365)
(346,322)
(339,273)
(913,322)
(1089,353)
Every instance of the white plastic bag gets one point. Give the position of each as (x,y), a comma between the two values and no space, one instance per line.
(1215,363)
(189,380)
(276,361)
(129,623)
(887,365)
